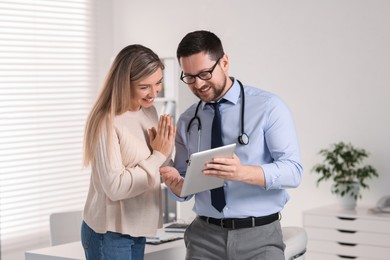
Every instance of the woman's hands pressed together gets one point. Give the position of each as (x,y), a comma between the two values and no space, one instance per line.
(162,139)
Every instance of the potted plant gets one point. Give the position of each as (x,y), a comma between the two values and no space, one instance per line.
(342,164)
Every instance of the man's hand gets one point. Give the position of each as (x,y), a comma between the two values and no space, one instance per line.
(231,169)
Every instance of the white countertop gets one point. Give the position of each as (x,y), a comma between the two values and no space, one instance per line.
(74,251)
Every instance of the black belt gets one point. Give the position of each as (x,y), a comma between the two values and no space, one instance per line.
(236,223)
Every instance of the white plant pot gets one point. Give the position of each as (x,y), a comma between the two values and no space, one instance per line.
(349,201)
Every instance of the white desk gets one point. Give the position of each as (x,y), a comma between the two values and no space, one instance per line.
(294,238)
(74,251)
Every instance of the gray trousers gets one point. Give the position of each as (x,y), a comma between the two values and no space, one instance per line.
(210,242)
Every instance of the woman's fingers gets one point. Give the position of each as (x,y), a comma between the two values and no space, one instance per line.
(171,132)
(160,124)
(165,125)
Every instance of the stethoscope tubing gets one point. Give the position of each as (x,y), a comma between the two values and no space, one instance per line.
(243,138)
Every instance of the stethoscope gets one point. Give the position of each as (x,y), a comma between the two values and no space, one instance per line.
(243,138)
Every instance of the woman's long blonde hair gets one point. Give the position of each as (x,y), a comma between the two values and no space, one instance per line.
(132,64)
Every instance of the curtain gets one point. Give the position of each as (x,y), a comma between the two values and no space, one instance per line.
(47,86)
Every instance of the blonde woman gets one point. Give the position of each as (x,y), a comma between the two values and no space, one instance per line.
(126,144)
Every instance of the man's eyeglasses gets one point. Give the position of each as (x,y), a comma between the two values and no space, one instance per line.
(204,75)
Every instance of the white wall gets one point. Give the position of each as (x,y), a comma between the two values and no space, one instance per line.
(328,59)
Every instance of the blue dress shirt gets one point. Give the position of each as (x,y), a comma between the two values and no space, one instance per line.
(272,145)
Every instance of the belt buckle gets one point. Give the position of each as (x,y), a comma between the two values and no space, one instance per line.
(221,222)
(253,222)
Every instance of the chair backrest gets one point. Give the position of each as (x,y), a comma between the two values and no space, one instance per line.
(65,227)
(295,239)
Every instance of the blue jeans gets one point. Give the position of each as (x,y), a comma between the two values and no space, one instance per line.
(111,245)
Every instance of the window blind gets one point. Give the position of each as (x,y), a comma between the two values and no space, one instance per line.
(47,86)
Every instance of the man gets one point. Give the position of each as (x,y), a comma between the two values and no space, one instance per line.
(242,221)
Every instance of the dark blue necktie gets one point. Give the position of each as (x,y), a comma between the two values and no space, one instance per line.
(217,194)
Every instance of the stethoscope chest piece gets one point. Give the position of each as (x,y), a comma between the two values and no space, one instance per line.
(243,139)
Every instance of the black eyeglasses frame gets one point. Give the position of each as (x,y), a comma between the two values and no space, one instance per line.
(191,79)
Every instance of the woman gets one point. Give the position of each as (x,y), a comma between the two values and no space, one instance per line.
(126,144)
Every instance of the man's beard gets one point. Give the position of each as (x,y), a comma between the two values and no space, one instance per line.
(217,91)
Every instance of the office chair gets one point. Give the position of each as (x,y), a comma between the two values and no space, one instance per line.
(295,239)
(65,227)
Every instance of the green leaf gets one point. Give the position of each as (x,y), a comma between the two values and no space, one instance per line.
(342,162)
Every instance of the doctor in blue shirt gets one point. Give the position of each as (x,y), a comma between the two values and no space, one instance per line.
(242,222)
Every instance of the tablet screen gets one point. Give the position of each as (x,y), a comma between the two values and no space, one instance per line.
(195,181)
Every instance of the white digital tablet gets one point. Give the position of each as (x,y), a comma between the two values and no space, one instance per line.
(195,181)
